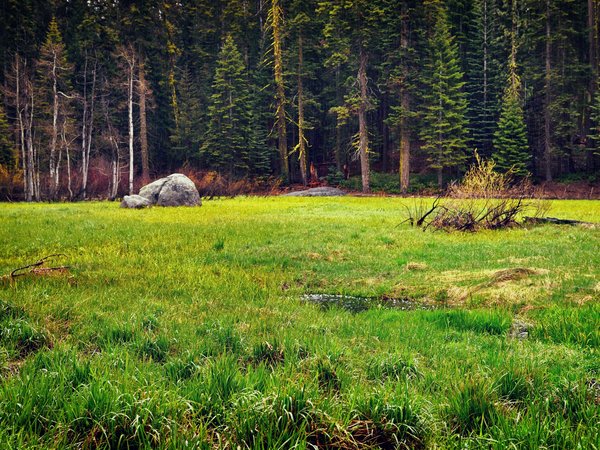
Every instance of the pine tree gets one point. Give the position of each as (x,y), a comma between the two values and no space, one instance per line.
(186,136)
(483,75)
(226,146)
(276,22)
(510,139)
(351,35)
(444,129)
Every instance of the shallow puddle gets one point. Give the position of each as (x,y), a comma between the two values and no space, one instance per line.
(358,304)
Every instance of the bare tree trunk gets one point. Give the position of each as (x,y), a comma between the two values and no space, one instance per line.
(404,168)
(363,138)
(142,91)
(547,117)
(276,17)
(338,126)
(593,56)
(87,124)
(301,139)
(32,184)
(130,109)
(27,185)
(66,144)
(54,137)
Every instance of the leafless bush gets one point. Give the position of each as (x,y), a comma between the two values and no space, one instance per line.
(484,199)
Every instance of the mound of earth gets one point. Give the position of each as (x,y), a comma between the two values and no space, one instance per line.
(317,192)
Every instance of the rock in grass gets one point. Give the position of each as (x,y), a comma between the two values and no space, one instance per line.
(135,202)
(317,192)
(174,190)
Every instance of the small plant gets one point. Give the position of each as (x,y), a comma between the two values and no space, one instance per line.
(471,408)
(327,376)
(394,367)
(156,350)
(219,244)
(269,354)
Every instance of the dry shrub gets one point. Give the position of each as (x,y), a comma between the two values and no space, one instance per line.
(484,199)
(212,184)
(10,181)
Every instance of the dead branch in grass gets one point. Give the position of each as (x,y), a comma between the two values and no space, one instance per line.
(37,268)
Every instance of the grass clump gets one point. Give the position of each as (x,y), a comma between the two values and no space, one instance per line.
(495,322)
(471,408)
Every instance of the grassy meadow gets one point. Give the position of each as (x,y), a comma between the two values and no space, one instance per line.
(187,328)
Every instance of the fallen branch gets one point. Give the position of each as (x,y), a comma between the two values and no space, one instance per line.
(37,268)
(556,221)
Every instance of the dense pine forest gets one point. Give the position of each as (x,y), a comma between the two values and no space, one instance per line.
(100,96)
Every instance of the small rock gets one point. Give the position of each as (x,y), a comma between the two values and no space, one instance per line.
(519,330)
(317,192)
(135,202)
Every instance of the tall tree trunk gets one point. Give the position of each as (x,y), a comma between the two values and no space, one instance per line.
(130,110)
(65,144)
(276,17)
(54,137)
(301,139)
(27,183)
(547,88)
(143,89)
(338,126)
(404,168)
(592,11)
(87,124)
(363,136)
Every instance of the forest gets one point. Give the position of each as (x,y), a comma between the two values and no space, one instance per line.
(101,96)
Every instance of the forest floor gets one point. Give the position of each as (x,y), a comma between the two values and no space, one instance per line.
(198,328)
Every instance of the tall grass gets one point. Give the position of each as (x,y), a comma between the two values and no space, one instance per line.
(185,328)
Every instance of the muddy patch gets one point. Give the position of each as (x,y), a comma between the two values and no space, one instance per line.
(358,304)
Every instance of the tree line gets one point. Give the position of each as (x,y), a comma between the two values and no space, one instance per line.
(98,96)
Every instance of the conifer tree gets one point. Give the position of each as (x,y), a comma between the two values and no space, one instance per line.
(186,136)
(228,139)
(276,21)
(510,139)
(483,75)
(444,123)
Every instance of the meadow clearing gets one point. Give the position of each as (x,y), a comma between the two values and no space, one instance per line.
(187,328)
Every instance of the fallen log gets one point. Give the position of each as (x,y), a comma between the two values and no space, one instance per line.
(556,221)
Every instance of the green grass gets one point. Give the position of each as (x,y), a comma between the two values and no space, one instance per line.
(186,328)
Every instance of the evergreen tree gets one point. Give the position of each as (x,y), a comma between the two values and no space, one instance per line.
(510,139)
(351,33)
(444,128)
(227,143)
(483,75)
(186,136)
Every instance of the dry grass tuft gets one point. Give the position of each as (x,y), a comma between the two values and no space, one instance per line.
(416,266)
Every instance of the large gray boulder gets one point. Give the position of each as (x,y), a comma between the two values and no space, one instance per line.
(317,192)
(135,202)
(174,190)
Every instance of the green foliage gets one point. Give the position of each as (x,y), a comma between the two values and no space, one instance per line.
(444,131)
(218,343)
(226,144)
